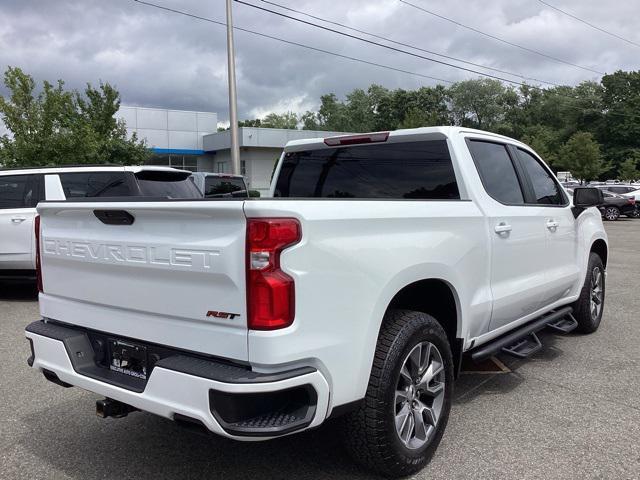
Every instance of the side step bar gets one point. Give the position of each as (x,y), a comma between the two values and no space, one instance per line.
(485,351)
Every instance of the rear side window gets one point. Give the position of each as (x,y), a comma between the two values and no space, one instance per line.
(167,184)
(497,171)
(18,191)
(414,170)
(221,186)
(96,184)
(545,188)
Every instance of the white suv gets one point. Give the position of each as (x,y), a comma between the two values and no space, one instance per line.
(21,190)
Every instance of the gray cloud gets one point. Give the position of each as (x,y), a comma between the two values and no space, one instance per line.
(157,58)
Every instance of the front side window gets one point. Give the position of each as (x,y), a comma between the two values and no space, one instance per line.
(497,171)
(95,184)
(545,188)
(412,170)
(18,191)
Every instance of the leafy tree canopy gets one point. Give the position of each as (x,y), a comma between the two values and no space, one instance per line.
(56,126)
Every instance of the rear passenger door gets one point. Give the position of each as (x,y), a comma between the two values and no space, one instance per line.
(19,194)
(517,233)
(544,191)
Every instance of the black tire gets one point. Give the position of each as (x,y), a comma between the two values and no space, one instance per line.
(611,213)
(582,308)
(370,432)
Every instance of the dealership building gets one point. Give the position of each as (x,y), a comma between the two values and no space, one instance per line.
(190,140)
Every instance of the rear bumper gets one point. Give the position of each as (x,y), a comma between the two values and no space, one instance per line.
(228,400)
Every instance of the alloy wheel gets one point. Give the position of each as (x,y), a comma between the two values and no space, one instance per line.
(597,293)
(611,214)
(419,395)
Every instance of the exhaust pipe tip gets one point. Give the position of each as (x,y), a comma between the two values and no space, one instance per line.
(113,408)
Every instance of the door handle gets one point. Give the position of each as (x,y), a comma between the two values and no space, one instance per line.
(552,224)
(502,227)
(18,219)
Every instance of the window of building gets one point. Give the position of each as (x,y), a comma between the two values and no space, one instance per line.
(222,167)
(497,171)
(183,162)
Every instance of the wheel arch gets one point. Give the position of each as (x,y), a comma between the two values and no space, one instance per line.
(600,247)
(438,298)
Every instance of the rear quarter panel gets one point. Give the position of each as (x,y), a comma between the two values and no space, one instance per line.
(353,258)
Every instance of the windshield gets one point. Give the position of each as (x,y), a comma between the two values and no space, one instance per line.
(167,184)
(96,184)
(223,186)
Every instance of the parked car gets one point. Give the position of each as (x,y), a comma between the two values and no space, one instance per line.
(355,292)
(615,205)
(218,185)
(627,191)
(22,189)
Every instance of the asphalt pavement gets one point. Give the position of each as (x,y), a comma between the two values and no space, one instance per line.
(572,411)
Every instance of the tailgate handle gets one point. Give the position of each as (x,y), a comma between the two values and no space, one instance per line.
(114,217)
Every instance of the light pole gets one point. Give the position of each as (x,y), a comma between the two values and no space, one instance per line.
(233,102)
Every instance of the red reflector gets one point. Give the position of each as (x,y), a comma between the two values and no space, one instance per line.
(356,139)
(270,291)
(36,224)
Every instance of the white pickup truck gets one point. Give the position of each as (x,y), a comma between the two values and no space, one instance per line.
(380,260)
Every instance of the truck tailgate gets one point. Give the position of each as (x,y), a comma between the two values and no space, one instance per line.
(175,276)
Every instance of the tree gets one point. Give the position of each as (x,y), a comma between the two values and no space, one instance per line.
(582,157)
(57,127)
(479,103)
(629,168)
(288,120)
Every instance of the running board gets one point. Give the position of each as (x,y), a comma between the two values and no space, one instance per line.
(564,325)
(512,338)
(524,347)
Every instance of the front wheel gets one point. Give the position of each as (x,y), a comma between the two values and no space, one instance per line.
(611,213)
(589,307)
(400,423)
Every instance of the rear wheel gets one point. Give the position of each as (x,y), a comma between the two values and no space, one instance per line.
(589,307)
(612,213)
(403,417)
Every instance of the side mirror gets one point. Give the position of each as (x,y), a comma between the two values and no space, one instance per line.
(584,198)
(587,197)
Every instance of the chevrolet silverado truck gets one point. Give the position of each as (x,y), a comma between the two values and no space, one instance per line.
(353,293)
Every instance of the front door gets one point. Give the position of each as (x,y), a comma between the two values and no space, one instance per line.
(561,261)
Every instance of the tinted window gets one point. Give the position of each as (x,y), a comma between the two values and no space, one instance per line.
(167,184)
(18,191)
(219,187)
(621,189)
(496,171)
(95,184)
(545,188)
(415,170)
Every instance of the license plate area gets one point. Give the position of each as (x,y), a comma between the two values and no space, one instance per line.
(128,358)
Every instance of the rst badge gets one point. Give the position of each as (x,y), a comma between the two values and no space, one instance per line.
(230,316)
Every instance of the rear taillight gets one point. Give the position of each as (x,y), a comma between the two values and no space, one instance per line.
(270,291)
(632,201)
(36,225)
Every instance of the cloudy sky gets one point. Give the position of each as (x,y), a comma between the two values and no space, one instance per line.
(157,58)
